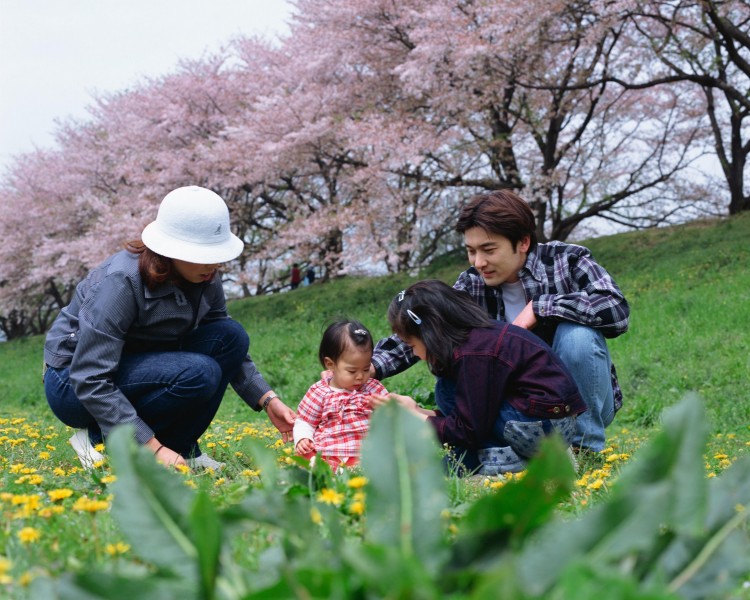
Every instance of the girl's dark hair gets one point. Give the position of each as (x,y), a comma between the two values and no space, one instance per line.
(440,316)
(154,268)
(339,335)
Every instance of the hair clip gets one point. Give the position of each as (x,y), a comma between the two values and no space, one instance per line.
(401,295)
(360,332)
(414,317)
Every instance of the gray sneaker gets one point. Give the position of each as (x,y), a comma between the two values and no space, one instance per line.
(204,461)
(84,449)
(501,459)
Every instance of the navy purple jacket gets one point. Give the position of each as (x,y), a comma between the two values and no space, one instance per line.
(504,363)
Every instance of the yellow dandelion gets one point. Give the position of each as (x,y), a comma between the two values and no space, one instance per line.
(251,472)
(596,484)
(190,483)
(25,579)
(315,516)
(84,504)
(445,514)
(220,481)
(59,494)
(109,479)
(60,472)
(357,508)
(357,482)
(720,456)
(50,447)
(711,475)
(117,548)
(5,565)
(99,447)
(211,445)
(731,436)
(329,496)
(29,535)
(496,485)
(453,529)
(44,455)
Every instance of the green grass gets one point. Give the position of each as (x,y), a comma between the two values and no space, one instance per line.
(688,287)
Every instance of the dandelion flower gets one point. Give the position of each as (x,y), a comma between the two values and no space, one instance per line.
(329,496)
(315,516)
(29,535)
(357,508)
(118,548)
(357,482)
(85,504)
(59,494)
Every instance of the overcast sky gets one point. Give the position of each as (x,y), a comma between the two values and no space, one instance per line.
(54,54)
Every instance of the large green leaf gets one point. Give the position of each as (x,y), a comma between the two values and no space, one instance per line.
(407,491)
(152,507)
(657,524)
(501,521)
(207,529)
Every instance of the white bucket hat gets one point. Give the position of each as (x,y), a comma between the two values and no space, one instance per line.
(193,225)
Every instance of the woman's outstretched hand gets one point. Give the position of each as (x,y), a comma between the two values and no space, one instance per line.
(282,417)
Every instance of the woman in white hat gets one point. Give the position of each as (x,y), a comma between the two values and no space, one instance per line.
(147,341)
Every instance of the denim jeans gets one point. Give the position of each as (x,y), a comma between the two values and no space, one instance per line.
(176,393)
(584,351)
(512,429)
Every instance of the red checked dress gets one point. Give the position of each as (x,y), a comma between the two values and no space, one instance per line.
(339,418)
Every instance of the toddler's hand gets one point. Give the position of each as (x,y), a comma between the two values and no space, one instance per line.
(377,400)
(406,401)
(305,446)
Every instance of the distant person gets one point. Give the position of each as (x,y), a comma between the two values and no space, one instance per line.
(334,415)
(147,341)
(509,389)
(556,290)
(296,276)
(310,276)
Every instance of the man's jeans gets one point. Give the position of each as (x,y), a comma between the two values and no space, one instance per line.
(514,437)
(177,393)
(584,351)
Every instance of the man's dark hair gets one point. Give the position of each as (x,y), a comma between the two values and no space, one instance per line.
(502,212)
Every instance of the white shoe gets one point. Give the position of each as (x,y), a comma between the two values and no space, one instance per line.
(205,462)
(85,451)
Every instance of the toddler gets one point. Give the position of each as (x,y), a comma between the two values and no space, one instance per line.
(334,416)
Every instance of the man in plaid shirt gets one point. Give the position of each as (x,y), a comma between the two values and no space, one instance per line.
(556,290)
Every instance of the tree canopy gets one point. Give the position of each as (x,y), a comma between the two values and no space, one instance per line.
(351,143)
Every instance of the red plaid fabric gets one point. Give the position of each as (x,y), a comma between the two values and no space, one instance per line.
(340,417)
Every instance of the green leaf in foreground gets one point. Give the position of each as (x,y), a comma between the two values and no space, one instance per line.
(663,522)
(407,491)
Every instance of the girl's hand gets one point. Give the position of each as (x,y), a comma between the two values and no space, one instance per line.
(406,401)
(305,446)
(377,400)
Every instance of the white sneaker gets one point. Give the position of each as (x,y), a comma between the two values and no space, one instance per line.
(204,461)
(85,451)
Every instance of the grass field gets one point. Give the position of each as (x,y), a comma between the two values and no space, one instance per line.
(689,290)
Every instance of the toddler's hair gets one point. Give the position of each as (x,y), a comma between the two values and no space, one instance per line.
(339,335)
(437,314)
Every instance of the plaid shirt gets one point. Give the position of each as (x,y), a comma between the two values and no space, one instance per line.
(562,281)
(340,418)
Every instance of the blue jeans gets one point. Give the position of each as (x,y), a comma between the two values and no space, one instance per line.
(176,393)
(584,351)
(512,429)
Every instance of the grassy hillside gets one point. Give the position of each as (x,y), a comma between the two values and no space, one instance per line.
(689,289)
